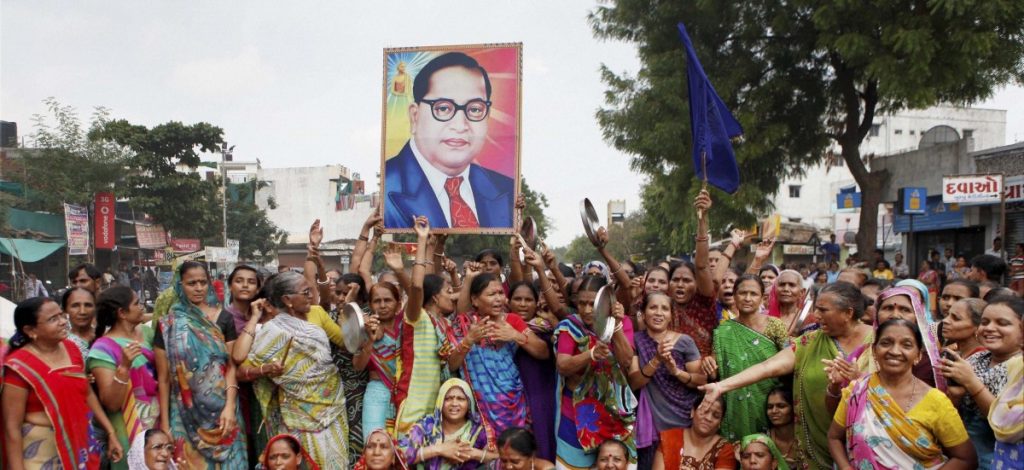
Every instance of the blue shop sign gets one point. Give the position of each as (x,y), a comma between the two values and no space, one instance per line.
(847,201)
(913,200)
(938,216)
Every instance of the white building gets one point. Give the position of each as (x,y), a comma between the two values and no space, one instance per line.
(812,198)
(304,194)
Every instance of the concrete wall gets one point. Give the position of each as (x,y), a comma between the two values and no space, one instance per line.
(924,167)
(305,194)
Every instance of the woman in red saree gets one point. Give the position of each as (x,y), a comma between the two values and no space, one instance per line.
(47,401)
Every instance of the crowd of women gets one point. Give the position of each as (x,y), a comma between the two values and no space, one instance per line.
(700,366)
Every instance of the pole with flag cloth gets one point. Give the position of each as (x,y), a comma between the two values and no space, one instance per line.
(712,127)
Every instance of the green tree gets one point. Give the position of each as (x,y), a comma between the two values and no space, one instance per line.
(258,237)
(798,75)
(184,203)
(580,250)
(65,166)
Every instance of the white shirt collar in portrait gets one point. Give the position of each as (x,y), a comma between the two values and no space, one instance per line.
(437,178)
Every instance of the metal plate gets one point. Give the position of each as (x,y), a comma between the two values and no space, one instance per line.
(801,320)
(590,220)
(529,232)
(604,322)
(353,327)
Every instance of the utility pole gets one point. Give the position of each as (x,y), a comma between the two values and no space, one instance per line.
(225,156)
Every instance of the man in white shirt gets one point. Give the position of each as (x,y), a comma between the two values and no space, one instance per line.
(997,248)
(900,269)
(34,287)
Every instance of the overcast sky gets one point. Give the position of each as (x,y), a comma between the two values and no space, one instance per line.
(298,83)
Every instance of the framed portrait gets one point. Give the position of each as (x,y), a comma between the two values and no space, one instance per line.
(450,137)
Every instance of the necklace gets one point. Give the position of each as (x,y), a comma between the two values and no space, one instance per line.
(789,448)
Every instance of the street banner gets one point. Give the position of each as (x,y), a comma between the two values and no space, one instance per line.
(972,189)
(104,228)
(451,137)
(76,221)
(151,237)
(185,245)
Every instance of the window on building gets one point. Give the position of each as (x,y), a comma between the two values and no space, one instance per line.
(968,133)
(898,131)
(794,190)
(912,132)
(875,128)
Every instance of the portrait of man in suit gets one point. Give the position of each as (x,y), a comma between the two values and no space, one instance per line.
(436,173)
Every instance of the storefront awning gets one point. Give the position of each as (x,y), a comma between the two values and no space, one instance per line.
(28,251)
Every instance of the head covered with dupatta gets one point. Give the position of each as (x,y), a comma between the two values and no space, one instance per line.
(928,333)
(780,461)
(307,461)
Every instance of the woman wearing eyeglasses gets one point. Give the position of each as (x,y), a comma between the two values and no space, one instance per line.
(307,399)
(151,450)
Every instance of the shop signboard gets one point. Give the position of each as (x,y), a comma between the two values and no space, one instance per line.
(972,189)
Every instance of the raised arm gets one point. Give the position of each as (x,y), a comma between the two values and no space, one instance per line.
(761,254)
(705,286)
(546,288)
(736,242)
(622,290)
(313,268)
(516,269)
(435,252)
(366,263)
(465,304)
(414,305)
(243,344)
(363,241)
(393,256)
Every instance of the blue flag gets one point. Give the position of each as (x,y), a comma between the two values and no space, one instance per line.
(712,126)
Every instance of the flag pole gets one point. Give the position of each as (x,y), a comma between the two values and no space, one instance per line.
(704,183)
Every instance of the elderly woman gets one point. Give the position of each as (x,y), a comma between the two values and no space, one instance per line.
(454,436)
(196,377)
(786,299)
(595,403)
(307,400)
(380,452)
(890,419)
(838,307)
(985,374)
(151,450)
(665,372)
(122,362)
(47,401)
(759,452)
(741,343)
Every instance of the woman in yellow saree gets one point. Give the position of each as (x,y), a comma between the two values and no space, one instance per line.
(890,419)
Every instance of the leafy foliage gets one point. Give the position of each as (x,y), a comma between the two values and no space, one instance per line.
(258,237)
(66,166)
(184,203)
(798,75)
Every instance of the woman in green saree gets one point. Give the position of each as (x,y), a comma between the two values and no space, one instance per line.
(838,307)
(740,343)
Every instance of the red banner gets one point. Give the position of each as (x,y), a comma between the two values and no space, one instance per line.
(185,245)
(104,236)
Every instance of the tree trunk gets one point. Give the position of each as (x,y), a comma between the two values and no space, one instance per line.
(871,196)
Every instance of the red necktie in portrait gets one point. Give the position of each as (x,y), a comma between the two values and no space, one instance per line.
(462,214)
